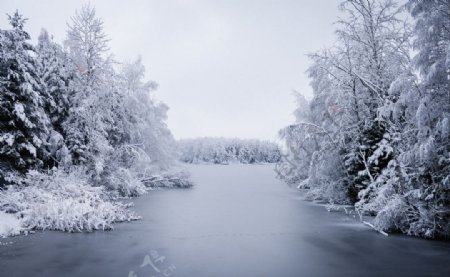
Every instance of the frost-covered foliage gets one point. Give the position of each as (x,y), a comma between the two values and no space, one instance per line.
(225,151)
(62,201)
(376,132)
(93,122)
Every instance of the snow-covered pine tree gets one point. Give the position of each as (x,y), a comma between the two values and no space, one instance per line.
(52,64)
(413,193)
(429,158)
(24,125)
(54,72)
(376,52)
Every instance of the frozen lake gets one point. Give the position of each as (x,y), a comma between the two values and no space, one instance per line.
(237,221)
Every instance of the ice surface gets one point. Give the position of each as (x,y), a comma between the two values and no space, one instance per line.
(238,220)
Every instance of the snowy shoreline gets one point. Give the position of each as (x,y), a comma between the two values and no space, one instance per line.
(69,203)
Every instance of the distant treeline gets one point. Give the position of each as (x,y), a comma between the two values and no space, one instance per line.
(226,150)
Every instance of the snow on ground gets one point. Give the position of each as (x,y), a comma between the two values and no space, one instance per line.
(68,202)
(64,202)
(9,225)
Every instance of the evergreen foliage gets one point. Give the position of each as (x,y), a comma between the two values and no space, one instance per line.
(376,132)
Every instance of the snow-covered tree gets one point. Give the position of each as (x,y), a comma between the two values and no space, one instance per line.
(76,131)
(351,84)
(92,103)
(88,44)
(143,144)
(413,196)
(24,125)
(147,116)
(427,159)
(55,74)
(432,30)
(374,52)
(377,128)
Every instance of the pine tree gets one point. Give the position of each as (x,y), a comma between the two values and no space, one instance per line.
(55,74)
(24,124)
(431,163)
(52,64)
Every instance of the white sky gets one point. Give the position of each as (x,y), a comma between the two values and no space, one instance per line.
(224,67)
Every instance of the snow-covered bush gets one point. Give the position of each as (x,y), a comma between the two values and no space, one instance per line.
(124,182)
(393,215)
(62,201)
(175,178)
(130,172)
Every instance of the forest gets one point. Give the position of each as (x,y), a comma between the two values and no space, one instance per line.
(82,131)
(225,151)
(78,130)
(350,177)
(376,133)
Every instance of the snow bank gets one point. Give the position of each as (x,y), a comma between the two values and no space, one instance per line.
(68,202)
(9,225)
(61,201)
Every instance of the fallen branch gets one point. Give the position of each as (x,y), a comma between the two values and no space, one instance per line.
(373,227)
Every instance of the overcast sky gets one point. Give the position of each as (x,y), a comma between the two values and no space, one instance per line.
(224,67)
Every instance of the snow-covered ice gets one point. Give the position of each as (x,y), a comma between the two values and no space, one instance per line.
(236,221)
(9,225)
